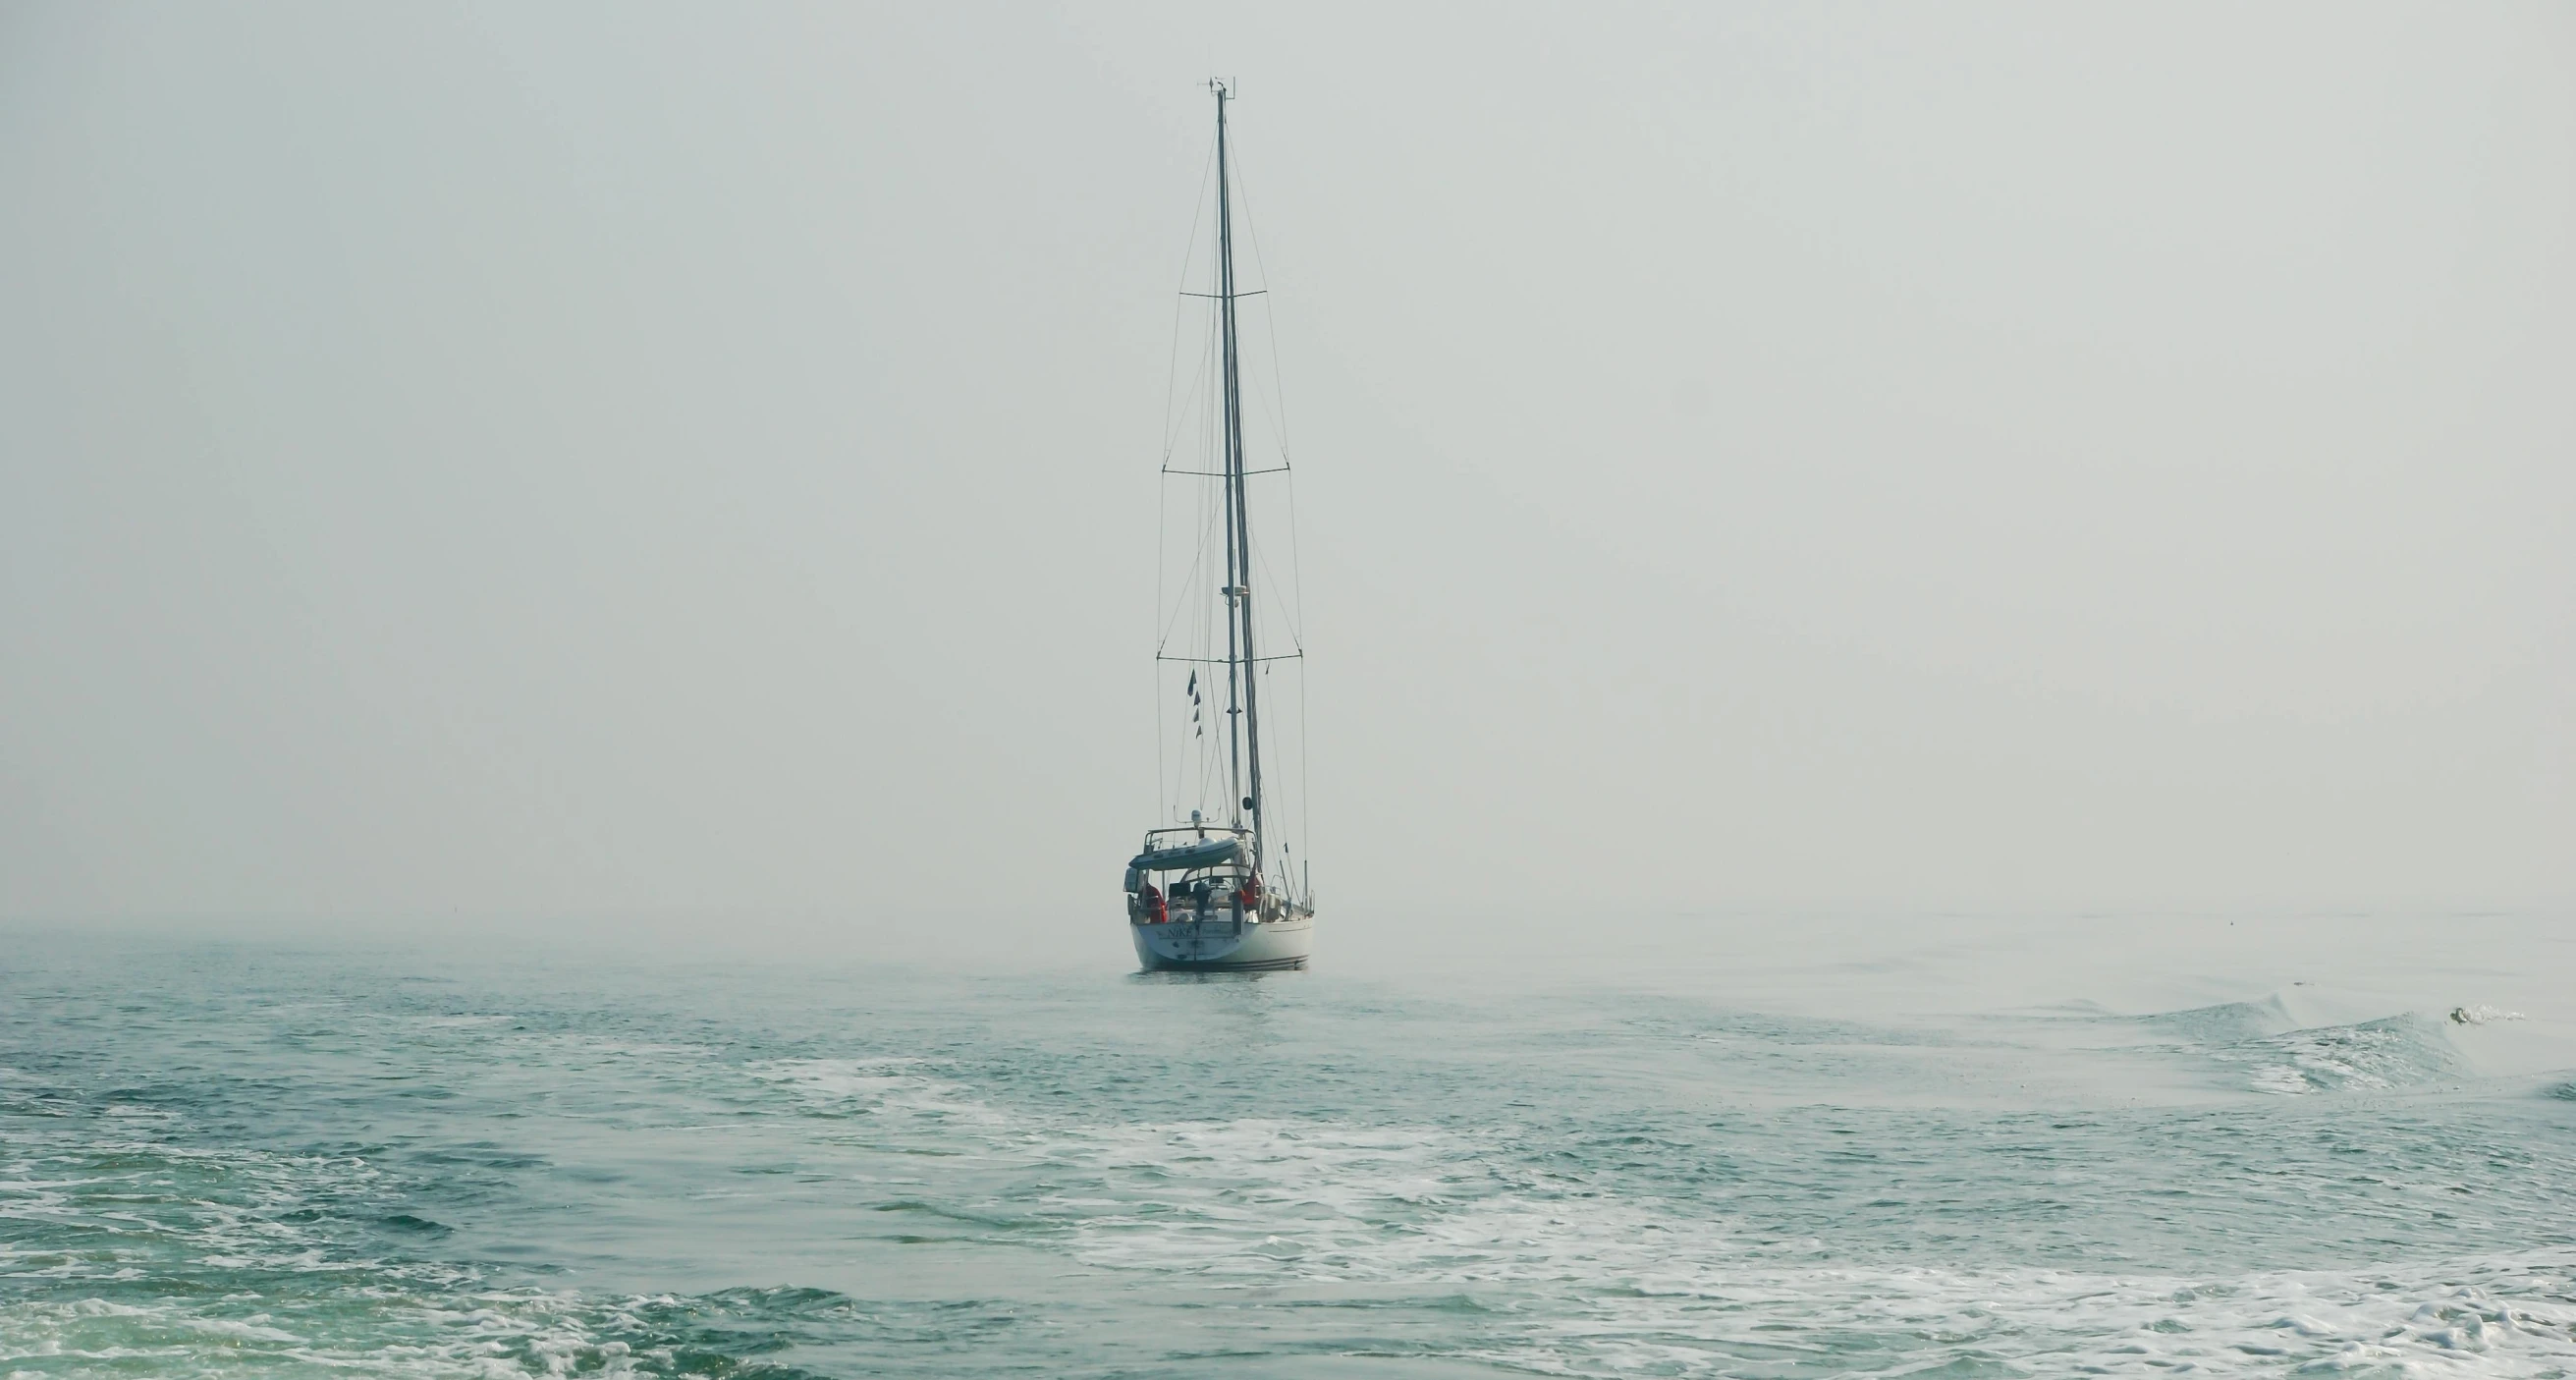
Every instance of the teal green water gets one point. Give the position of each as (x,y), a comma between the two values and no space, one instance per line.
(265,1160)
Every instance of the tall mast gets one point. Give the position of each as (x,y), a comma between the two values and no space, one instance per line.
(1241,663)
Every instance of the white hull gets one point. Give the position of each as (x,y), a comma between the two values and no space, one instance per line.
(1222,946)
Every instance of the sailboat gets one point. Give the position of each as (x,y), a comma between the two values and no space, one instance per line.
(1220,890)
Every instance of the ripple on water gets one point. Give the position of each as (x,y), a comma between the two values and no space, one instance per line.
(909,1190)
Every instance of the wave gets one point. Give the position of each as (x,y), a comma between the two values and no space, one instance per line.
(1578,1281)
(2394,1052)
(2264,1049)
(891,1089)
(1629,1191)
(2225,1023)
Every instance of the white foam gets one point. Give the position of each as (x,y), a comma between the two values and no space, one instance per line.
(890,1088)
(1583,1283)
(394,1325)
(2397,1052)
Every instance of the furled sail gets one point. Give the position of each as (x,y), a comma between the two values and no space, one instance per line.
(1206,853)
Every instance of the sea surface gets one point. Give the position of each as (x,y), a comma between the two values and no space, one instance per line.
(1769,1147)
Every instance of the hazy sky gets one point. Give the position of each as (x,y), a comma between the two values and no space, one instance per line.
(528,459)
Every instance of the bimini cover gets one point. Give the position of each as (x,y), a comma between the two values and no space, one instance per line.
(1203,854)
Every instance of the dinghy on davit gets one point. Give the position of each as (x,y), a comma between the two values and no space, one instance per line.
(1220,889)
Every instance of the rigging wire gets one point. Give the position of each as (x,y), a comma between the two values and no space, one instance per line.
(1305,767)
(1296,546)
(1184,603)
(1305,778)
(1181,298)
(1296,562)
(1297,621)
(1162,491)
(1277,410)
(1162,510)
(1269,319)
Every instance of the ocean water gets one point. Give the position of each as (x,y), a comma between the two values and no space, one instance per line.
(1766,1149)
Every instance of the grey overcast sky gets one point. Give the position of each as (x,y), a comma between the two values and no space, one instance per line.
(524,460)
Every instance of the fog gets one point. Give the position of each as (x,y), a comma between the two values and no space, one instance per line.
(590,461)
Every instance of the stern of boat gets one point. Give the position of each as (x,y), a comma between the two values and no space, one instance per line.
(1223,945)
